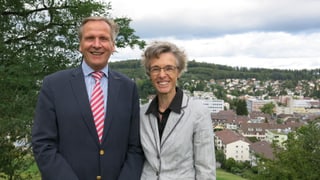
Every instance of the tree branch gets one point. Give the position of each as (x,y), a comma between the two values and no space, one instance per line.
(26,13)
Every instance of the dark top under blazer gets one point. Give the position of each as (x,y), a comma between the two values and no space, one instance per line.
(64,138)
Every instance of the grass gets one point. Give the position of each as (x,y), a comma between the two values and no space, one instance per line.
(34,171)
(223,175)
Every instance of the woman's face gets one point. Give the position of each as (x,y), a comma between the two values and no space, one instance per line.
(164,73)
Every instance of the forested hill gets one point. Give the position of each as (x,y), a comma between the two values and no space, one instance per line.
(207,71)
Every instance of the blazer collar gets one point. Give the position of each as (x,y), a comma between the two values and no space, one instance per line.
(173,120)
(80,91)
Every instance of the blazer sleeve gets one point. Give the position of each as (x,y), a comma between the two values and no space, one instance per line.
(204,152)
(44,139)
(134,159)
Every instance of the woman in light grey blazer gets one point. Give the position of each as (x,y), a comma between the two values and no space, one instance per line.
(176,132)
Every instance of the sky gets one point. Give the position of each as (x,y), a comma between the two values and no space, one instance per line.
(273,34)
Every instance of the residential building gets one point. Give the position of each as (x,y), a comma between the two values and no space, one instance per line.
(260,149)
(233,145)
(256,104)
(209,100)
(278,136)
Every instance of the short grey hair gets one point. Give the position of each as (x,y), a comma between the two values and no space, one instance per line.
(158,47)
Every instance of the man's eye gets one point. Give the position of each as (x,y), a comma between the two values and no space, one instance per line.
(104,39)
(89,38)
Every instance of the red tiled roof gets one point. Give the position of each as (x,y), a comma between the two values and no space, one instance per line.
(228,136)
(262,148)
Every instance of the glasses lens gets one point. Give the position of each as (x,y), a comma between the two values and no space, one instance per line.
(166,69)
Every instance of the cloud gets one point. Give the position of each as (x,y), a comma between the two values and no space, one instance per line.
(211,17)
(268,33)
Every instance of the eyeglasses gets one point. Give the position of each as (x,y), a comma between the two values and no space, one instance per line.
(169,69)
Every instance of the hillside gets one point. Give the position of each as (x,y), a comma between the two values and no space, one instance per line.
(207,71)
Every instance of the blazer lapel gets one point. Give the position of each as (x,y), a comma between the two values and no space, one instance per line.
(80,92)
(173,121)
(153,122)
(113,93)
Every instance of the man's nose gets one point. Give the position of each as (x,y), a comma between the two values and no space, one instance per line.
(96,43)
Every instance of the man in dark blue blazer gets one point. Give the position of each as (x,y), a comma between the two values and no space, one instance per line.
(64,137)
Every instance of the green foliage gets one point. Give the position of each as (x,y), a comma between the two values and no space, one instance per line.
(199,75)
(253,139)
(299,159)
(268,108)
(132,68)
(220,156)
(207,71)
(38,37)
(223,175)
(241,107)
(126,36)
(219,91)
(235,167)
(18,161)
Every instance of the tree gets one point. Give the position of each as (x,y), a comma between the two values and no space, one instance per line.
(241,107)
(268,108)
(220,156)
(299,159)
(38,37)
(219,92)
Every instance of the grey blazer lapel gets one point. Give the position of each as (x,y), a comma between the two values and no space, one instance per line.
(153,123)
(173,121)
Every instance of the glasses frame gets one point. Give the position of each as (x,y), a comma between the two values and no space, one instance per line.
(168,69)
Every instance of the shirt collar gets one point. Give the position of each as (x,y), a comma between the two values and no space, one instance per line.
(174,106)
(87,70)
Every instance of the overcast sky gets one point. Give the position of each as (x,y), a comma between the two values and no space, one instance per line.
(283,34)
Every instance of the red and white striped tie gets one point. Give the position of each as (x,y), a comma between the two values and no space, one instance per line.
(97,104)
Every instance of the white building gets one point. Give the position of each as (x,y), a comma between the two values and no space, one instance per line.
(214,105)
(233,145)
(277,136)
(209,100)
(256,104)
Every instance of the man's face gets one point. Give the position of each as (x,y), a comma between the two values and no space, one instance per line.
(96,44)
